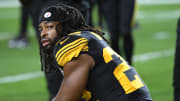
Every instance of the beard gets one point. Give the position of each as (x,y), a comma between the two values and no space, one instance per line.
(48,49)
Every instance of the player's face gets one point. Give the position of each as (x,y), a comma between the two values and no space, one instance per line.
(48,33)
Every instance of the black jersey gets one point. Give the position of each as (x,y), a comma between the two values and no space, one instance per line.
(112,79)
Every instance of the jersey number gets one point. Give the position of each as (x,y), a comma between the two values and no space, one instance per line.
(126,75)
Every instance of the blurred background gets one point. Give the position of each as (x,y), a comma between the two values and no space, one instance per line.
(154,36)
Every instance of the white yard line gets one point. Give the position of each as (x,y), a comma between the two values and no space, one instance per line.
(20,77)
(158,15)
(161,35)
(153,55)
(137,58)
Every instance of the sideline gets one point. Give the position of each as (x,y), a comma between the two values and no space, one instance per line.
(137,58)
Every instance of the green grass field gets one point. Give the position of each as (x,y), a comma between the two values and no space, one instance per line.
(156,33)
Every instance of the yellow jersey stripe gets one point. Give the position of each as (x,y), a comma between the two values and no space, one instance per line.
(69,45)
(68,55)
(69,49)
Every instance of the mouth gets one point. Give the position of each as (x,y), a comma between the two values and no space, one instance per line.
(44,42)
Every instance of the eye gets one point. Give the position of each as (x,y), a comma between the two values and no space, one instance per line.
(50,26)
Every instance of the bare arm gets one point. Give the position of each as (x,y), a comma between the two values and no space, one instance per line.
(75,78)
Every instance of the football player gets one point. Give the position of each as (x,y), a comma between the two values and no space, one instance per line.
(87,62)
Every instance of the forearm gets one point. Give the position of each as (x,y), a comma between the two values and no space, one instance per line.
(71,88)
(75,79)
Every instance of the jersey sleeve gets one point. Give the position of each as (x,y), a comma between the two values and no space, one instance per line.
(69,48)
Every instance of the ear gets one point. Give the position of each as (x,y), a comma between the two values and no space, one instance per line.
(59,28)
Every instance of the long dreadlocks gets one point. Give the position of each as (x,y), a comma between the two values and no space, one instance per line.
(71,20)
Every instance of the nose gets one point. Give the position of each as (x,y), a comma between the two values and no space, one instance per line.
(43,33)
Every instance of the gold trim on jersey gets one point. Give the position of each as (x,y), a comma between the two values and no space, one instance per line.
(96,35)
(86,95)
(79,33)
(61,42)
(66,53)
(75,33)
